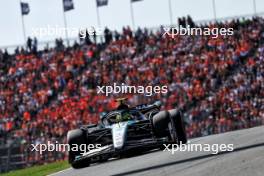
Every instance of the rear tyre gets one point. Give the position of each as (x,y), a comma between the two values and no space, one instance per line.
(76,137)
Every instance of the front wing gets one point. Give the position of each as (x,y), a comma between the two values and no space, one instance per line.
(109,151)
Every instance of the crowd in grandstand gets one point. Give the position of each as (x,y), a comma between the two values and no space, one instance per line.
(43,94)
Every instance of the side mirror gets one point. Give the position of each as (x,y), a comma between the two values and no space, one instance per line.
(158,103)
(102,115)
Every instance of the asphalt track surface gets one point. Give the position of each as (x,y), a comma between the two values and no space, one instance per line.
(247,159)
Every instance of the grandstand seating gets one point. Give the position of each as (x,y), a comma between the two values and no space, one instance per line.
(46,93)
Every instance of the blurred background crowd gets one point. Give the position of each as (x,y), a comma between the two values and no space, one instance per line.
(45,93)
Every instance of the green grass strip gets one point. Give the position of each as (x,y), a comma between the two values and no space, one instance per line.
(39,170)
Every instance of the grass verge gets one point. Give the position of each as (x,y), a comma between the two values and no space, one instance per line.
(39,170)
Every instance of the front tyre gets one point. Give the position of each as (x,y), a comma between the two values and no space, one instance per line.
(177,123)
(170,123)
(76,137)
(160,123)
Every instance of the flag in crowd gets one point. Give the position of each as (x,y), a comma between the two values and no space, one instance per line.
(24,8)
(135,0)
(68,5)
(100,3)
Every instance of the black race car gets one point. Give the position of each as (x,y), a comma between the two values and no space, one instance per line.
(123,131)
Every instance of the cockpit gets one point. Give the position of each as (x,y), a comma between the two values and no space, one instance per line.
(122,116)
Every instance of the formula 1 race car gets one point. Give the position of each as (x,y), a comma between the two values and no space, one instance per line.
(126,130)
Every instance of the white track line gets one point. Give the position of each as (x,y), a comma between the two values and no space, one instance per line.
(59,172)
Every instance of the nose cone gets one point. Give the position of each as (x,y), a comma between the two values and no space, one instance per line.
(119,134)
